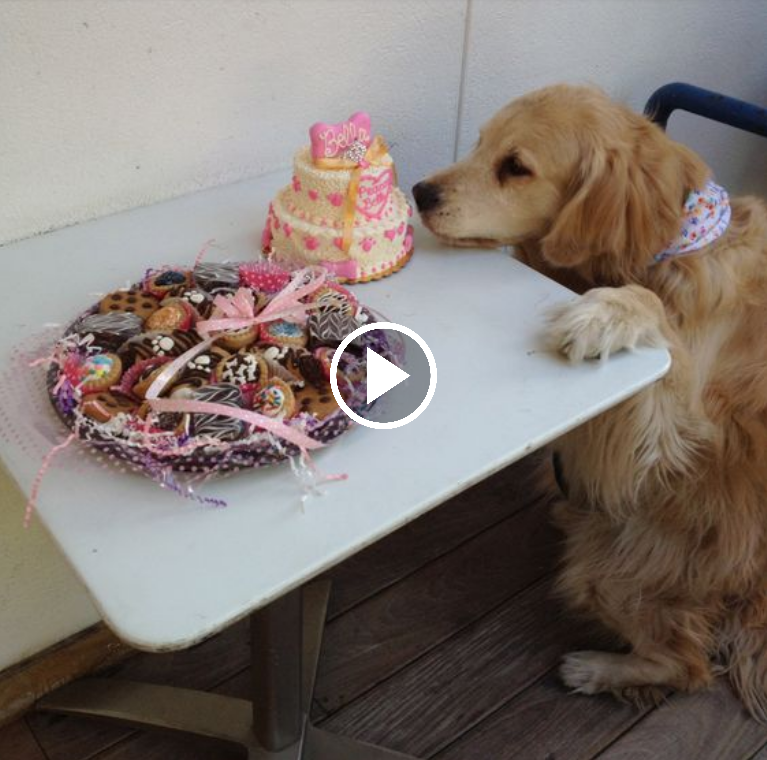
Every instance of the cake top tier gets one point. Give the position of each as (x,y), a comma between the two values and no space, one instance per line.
(347,139)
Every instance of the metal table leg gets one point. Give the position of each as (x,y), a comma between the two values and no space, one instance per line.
(273,725)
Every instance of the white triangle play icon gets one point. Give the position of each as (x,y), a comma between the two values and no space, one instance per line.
(382,375)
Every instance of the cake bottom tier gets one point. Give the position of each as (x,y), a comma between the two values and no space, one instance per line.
(378,249)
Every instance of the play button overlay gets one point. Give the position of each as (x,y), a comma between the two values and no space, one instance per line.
(399,385)
(382,375)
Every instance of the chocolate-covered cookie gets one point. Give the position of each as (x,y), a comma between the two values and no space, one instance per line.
(216,425)
(110,330)
(242,368)
(150,344)
(198,299)
(330,327)
(105,405)
(217,278)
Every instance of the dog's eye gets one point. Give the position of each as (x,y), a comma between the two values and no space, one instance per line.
(511,166)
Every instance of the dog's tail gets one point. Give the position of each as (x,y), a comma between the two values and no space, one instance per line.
(744,655)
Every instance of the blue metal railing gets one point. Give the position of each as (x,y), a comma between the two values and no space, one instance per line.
(711,105)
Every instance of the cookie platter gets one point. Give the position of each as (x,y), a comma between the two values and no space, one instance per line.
(213,368)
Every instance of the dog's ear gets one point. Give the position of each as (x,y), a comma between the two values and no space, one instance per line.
(626,198)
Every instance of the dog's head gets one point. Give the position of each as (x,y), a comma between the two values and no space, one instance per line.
(594,186)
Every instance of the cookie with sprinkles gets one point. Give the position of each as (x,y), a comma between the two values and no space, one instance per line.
(275,400)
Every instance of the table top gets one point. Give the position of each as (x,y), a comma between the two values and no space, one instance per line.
(166,572)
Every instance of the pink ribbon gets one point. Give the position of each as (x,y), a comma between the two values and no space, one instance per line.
(349,270)
(279,428)
(239,310)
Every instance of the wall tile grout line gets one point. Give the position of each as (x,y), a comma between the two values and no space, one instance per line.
(462,81)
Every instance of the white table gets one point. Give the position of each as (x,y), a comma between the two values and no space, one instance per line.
(166,572)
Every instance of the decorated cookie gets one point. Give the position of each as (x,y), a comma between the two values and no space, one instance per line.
(100,372)
(217,278)
(329,328)
(203,366)
(173,314)
(275,400)
(283,333)
(145,380)
(161,283)
(264,277)
(137,372)
(110,330)
(316,400)
(105,405)
(235,340)
(150,344)
(334,297)
(216,425)
(243,368)
(199,300)
(274,358)
(133,301)
(300,362)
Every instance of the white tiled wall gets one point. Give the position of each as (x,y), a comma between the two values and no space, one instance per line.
(106,105)
(629,48)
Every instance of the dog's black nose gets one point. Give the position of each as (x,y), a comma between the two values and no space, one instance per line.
(427,196)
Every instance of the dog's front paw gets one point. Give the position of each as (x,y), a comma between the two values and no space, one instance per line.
(606,320)
(585,672)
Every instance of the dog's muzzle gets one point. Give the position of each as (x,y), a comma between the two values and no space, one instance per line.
(427,196)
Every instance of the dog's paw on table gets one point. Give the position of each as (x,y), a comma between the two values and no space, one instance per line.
(604,321)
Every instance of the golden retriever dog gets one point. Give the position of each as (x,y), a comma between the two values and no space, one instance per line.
(666,511)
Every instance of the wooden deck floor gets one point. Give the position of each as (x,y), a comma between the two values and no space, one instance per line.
(443,642)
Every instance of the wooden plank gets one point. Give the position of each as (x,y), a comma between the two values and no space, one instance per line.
(546,722)
(432,535)
(710,725)
(201,667)
(82,653)
(383,635)
(18,743)
(153,746)
(432,703)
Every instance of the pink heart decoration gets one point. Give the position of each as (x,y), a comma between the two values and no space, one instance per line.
(311,243)
(401,228)
(313,194)
(287,229)
(390,234)
(338,243)
(367,244)
(373,193)
(336,199)
(330,140)
(296,184)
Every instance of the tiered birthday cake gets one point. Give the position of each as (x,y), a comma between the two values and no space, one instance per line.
(342,209)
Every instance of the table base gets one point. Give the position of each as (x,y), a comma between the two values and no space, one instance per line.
(273,725)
